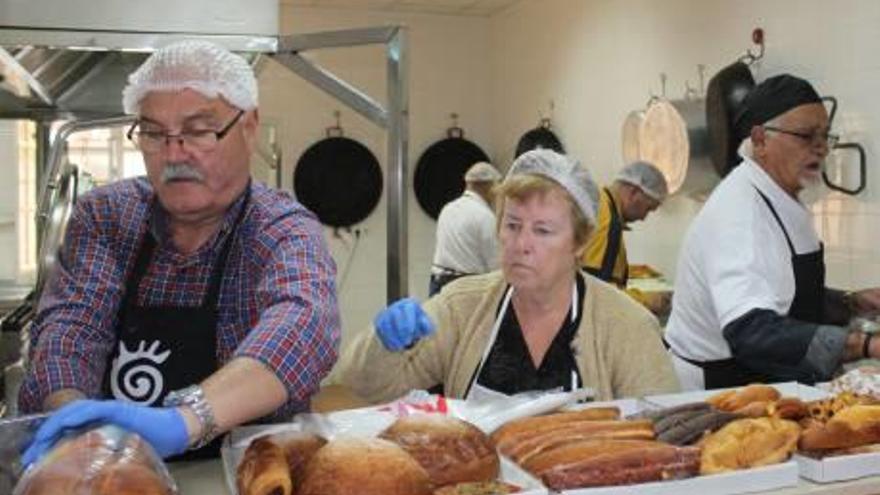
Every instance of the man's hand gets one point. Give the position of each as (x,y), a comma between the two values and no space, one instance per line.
(660,303)
(865,300)
(163,428)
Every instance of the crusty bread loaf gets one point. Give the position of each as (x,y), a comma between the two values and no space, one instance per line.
(612,462)
(298,448)
(263,469)
(95,463)
(750,442)
(364,467)
(450,450)
(850,427)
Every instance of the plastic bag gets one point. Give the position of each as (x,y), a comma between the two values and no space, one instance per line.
(105,460)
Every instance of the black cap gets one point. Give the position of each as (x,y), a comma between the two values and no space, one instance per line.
(771,98)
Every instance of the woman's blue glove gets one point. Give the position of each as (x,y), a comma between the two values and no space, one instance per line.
(402,323)
(163,427)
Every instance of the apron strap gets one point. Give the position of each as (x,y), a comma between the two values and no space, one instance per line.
(612,248)
(213,294)
(778,220)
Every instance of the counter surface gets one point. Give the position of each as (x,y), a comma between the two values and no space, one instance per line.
(206,478)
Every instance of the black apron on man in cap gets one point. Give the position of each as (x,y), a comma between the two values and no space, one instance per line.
(166,348)
(807,305)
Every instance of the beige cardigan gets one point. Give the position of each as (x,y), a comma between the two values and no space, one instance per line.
(618,348)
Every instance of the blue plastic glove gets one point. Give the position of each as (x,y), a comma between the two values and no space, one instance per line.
(402,323)
(163,427)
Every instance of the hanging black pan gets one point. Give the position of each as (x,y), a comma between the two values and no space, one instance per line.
(339,179)
(539,137)
(439,176)
(724,96)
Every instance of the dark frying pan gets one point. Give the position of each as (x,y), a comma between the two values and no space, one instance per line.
(725,94)
(539,137)
(439,176)
(339,179)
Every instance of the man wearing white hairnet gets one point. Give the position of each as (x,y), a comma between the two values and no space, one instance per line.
(638,189)
(466,243)
(194,299)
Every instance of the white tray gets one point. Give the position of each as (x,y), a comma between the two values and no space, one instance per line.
(744,481)
(838,468)
(787,389)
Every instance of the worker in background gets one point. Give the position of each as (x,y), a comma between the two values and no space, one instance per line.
(751,304)
(193,299)
(466,239)
(638,189)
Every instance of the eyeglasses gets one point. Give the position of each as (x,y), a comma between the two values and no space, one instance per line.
(201,140)
(813,138)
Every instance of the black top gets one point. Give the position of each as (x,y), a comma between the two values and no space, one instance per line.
(509,368)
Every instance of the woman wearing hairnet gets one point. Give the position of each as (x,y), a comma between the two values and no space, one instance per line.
(537,324)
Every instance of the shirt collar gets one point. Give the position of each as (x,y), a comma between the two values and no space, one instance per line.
(762,180)
(158,225)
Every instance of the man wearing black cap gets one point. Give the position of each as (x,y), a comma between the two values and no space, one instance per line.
(750,300)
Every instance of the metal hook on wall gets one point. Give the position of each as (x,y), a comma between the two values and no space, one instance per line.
(546,119)
(757,39)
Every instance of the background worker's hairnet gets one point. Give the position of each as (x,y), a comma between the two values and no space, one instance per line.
(201,66)
(646,177)
(482,172)
(564,170)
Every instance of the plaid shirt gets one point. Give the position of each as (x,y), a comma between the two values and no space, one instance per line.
(277,303)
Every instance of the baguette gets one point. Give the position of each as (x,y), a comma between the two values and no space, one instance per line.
(612,462)
(579,431)
(536,422)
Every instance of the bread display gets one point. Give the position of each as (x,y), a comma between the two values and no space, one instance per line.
(747,443)
(365,467)
(612,462)
(450,450)
(102,461)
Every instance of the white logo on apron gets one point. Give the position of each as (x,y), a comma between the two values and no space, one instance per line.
(135,375)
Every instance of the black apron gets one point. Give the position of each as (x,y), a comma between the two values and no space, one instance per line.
(165,348)
(612,247)
(808,304)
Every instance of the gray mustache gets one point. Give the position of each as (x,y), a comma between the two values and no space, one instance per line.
(181,171)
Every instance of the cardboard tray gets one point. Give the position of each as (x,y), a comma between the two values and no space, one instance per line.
(838,468)
(745,481)
(366,422)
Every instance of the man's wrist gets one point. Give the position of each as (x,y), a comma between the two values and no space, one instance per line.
(197,413)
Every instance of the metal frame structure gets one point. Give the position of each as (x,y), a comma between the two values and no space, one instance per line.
(287,51)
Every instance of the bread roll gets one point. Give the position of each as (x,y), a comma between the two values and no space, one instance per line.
(364,467)
(732,400)
(850,427)
(747,443)
(450,450)
(263,469)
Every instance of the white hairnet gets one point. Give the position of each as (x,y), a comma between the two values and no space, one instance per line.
(197,65)
(646,177)
(564,170)
(482,172)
